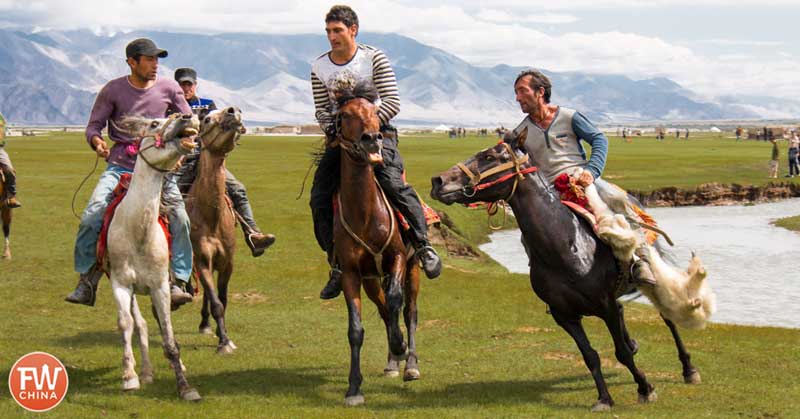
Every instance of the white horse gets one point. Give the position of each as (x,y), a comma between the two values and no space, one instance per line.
(138,253)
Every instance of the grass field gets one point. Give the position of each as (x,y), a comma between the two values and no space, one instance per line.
(487,348)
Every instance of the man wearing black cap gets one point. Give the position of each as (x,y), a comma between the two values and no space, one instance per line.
(142,93)
(257,241)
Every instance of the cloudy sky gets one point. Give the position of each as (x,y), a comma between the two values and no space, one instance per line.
(714,47)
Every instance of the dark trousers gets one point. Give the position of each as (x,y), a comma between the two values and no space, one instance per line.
(390,177)
(793,168)
(235,189)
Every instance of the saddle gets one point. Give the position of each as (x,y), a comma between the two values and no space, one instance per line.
(116,197)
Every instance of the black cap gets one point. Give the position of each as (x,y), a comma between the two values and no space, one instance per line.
(144,46)
(186,74)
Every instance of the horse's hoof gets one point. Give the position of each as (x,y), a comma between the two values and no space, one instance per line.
(601,407)
(411,374)
(648,398)
(356,400)
(391,373)
(131,384)
(226,349)
(146,378)
(230,342)
(206,330)
(693,378)
(190,395)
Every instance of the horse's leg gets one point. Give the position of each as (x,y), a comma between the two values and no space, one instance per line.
(410,316)
(217,309)
(631,342)
(573,326)
(690,374)
(616,325)
(205,312)
(223,279)
(146,375)
(124,298)
(351,285)
(5,214)
(161,302)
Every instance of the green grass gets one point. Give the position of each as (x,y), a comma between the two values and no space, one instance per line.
(789,223)
(487,348)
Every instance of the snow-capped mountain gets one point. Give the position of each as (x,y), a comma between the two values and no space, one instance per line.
(51,77)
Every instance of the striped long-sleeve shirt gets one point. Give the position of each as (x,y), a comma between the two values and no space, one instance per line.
(368,63)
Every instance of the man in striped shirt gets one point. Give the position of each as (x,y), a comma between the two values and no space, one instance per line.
(349,61)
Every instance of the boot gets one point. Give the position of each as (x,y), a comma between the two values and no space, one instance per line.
(86,291)
(177,295)
(12,202)
(258,242)
(431,263)
(334,285)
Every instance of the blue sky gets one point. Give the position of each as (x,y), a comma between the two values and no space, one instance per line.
(714,47)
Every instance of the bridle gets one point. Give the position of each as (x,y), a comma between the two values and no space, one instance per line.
(158,143)
(474,185)
(204,133)
(350,146)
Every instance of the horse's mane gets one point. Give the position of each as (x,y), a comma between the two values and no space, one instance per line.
(363,89)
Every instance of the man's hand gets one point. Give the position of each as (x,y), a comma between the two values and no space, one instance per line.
(100,147)
(586,178)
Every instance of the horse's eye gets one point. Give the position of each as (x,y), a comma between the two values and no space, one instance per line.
(489,157)
(154,124)
(208,119)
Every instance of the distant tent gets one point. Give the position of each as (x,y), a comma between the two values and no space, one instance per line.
(441,128)
(715,129)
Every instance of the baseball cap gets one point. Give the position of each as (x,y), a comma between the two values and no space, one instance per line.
(186,74)
(144,46)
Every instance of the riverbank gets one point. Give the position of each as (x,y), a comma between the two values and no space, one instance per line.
(717,194)
(487,346)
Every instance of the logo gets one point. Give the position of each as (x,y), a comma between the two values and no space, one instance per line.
(38,381)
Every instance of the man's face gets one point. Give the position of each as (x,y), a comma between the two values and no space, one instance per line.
(529,99)
(341,37)
(189,89)
(146,68)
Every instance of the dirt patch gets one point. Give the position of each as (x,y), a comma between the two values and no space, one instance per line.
(558,356)
(533,329)
(717,194)
(434,324)
(249,297)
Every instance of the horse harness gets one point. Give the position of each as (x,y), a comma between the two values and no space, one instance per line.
(159,143)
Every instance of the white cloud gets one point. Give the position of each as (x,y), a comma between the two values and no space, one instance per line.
(480,35)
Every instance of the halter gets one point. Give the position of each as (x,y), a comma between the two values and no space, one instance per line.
(159,143)
(470,189)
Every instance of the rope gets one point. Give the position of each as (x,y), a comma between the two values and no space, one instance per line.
(75,195)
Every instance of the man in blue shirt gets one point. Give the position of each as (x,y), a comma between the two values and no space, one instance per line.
(257,241)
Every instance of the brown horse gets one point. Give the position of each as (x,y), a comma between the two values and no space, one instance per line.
(369,246)
(213,221)
(5,214)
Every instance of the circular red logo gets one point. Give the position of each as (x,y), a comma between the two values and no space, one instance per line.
(38,381)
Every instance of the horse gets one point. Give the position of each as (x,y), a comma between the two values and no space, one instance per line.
(570,268)
(368,243)
(212,219)
(5,215)
(138,253)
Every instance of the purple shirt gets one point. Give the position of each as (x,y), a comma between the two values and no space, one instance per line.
(118,99)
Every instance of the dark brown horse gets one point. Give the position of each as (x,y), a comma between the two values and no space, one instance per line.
(570,268)
(368,243)
(5,214)
(213,230)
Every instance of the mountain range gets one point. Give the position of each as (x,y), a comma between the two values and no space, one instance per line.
(51,77)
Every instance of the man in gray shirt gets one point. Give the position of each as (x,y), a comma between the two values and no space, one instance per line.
(142,93)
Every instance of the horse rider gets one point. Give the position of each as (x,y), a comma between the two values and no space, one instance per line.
(554,135)
(142,93)
(7,168)
(257,241)
(349,62)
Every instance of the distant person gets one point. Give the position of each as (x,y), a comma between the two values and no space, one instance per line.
(773,164)
(677,134)
(686,135)
(625,134)
(794,148)
(764,135)
(7,168)
(738,133)
(256,240)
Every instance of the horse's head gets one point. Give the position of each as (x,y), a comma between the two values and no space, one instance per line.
(358,124)
(220,129)
(490,175)
(161,141)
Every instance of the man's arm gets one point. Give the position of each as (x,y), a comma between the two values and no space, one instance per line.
(101,112)
(386,83)
(589,133)
(322,103)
